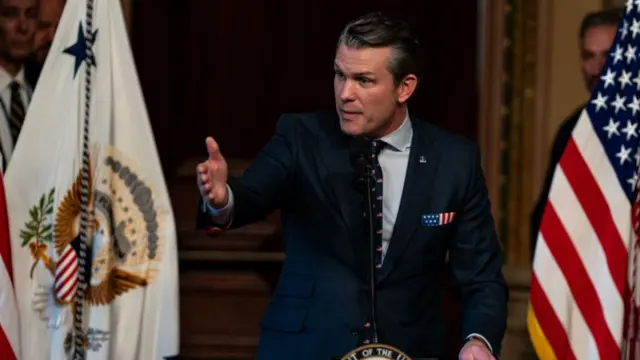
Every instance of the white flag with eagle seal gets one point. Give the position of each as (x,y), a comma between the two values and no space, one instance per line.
(118,204)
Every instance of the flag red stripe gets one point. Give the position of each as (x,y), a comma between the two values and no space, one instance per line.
(66,276)
(70,276)
(546,317)
(578,280)
(62,272)
(70,291)
(598,212)
(6,350)
(5,244)
(65,255)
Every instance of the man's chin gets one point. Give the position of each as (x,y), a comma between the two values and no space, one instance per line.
(20,55)
(350,128)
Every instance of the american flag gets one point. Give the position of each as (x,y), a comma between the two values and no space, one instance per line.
(438,219)
(9,330)
(582,302)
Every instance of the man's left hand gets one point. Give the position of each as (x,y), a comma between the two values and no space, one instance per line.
(475,350)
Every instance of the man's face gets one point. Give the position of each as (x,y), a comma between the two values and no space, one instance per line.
(366,97)
(594,51)
(18,20)
(49,15)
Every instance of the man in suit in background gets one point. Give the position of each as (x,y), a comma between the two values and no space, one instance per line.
(17,28)
(49,13)
(597,33)
(431,200)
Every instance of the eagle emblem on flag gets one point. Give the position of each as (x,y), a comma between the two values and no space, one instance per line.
(126,244)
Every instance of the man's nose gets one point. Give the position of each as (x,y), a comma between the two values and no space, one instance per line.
(600,65)
(594,67)
(23,24)
(347,92)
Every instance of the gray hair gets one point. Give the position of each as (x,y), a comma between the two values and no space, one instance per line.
(374,30)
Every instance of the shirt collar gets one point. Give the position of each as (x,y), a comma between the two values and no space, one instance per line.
(6,79)
(400,138)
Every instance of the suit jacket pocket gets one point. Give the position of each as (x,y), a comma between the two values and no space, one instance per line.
(288,308)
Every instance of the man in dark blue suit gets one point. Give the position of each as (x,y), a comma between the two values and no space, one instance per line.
(430,201)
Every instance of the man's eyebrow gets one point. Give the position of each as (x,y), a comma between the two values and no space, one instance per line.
(362,73)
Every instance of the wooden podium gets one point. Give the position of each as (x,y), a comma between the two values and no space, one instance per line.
(226,281)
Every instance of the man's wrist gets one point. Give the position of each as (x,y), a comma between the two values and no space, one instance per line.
(216,207)
(480,339)
(216,210)
(221,217)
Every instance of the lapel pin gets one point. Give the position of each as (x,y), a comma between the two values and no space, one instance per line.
(423,160)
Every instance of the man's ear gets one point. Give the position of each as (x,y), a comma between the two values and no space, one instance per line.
(406,88)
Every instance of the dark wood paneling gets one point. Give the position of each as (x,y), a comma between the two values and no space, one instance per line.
(218,312)
(229,68)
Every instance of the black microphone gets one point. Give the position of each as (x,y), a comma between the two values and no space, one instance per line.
(360,155)
(359,152)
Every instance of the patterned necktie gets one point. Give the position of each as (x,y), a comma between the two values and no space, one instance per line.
(376,147)
(17,112)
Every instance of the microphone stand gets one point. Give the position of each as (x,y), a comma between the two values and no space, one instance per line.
(365,179)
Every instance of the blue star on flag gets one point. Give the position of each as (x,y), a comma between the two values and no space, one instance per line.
(79,50)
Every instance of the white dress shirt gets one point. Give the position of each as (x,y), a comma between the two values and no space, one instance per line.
(6,140)
(393,159)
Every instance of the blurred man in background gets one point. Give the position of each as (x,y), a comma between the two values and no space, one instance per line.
(597,33)
(18,20)
(49,14)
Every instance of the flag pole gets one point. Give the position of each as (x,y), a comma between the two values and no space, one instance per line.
(80,339)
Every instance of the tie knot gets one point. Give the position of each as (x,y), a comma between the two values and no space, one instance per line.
(377,146)
(14,86)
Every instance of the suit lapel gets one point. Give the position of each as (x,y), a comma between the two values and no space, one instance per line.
(336,177)
(417,190)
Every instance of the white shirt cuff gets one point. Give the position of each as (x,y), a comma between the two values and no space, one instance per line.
(221,215)
(486,342)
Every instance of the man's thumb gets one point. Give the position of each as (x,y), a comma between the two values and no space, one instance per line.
(212,149)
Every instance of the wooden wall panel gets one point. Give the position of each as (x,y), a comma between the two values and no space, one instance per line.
(218,313)
(229,68)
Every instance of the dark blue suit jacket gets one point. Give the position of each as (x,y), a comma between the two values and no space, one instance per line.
(321,301)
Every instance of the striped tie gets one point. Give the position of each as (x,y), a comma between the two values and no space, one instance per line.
(16,114)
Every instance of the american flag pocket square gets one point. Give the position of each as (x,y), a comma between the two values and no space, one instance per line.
(438,219)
